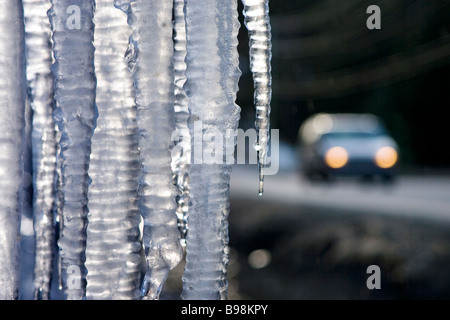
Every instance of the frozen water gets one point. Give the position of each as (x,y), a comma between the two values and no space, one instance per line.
(12,97)
(113,248)
(75,114)
(118,174)
(40,88)
(153,74)
(181,153)
(256,19)
(211,85)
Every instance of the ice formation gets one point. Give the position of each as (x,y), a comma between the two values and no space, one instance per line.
(181,153)
(128,94)
(44,144)
(256,19)
(153,74)
(76,114)
(212,83)
(12,97)
(113,247)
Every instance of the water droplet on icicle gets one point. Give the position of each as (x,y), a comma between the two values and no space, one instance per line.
(256,19)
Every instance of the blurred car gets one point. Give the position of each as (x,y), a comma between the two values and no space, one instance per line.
(347,144)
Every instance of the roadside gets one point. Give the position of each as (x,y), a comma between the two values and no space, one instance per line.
(324,254)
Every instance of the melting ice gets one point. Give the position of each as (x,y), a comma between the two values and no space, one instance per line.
(126,90)
(113,248)
(44,139)
(12,97)
(256,19)
(75,115)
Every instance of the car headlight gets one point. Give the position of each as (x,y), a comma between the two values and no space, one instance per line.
(336,157)
(386,157)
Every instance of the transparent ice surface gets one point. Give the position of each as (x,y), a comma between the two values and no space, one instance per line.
(126,111)
(212,82)
(151,60)
(181,153)
(73,70)
(113,247)
(12,97)
(256,19)
(44,144)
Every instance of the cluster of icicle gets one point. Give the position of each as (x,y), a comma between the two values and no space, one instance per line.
(115,95)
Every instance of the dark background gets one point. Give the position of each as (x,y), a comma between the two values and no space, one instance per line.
(325,59)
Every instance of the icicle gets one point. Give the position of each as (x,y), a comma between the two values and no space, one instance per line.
(12,96)
(59,204)
(75,114)
(113,252)
(152,46)
(256,19)
(181,153)
(212,83)
(40,84)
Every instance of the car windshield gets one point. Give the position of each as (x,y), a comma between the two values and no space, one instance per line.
(351,135)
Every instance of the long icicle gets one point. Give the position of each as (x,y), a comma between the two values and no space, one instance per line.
(40,84)
(75,114)
(152,45)
(12,97)
(256,19)
(212,83)
(181,153)
(113,249)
